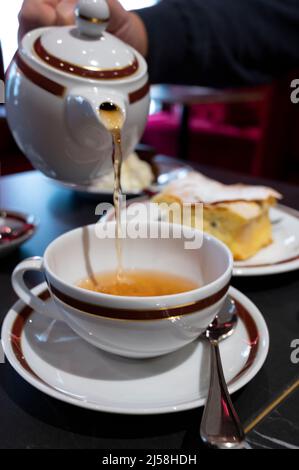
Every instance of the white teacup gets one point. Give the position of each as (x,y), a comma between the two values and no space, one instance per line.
(137,327)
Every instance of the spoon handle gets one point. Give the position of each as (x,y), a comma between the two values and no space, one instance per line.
(220,426)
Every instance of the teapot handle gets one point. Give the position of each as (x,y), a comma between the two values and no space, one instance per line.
(92,17)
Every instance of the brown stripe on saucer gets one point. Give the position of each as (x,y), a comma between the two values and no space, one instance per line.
(25,313)
(254,338)
(139,94)
(139,315)
(39,79)
(86,72)
(16,333)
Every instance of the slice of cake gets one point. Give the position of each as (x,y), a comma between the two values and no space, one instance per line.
(236,214)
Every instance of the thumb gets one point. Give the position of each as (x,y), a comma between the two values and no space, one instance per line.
(65,11)
(118,16)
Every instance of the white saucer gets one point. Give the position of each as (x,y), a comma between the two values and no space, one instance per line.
(279,257)
(48,355)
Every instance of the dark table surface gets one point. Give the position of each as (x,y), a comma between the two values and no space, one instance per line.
(30,419)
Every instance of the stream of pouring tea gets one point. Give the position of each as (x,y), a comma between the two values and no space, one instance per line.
(113,119)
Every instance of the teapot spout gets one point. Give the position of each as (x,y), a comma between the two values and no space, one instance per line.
(112,116)
(93,108)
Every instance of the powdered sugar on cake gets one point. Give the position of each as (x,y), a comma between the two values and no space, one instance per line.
(196,187)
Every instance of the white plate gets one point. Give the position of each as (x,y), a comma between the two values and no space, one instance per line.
(279,257)
(168,167)
(283,254)
(48,355)
(93,191)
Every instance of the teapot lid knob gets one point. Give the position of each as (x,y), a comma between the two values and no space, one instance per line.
(92,17)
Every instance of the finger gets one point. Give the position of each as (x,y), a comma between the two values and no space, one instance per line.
(39,12)
(118,16)
(36,13)
(66,12)
(127,26)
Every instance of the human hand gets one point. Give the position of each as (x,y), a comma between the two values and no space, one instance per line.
(37,13)
(123,24)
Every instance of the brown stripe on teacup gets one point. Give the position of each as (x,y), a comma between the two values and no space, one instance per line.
(86,72)
(139,315)
(39,79)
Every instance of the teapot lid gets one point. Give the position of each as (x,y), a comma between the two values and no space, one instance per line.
(87,50)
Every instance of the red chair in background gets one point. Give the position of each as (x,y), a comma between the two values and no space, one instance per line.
(249,131)
(226,135)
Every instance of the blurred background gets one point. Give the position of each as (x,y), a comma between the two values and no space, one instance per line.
(251,131)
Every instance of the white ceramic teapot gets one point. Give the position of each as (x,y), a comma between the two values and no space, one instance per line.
(56,83)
